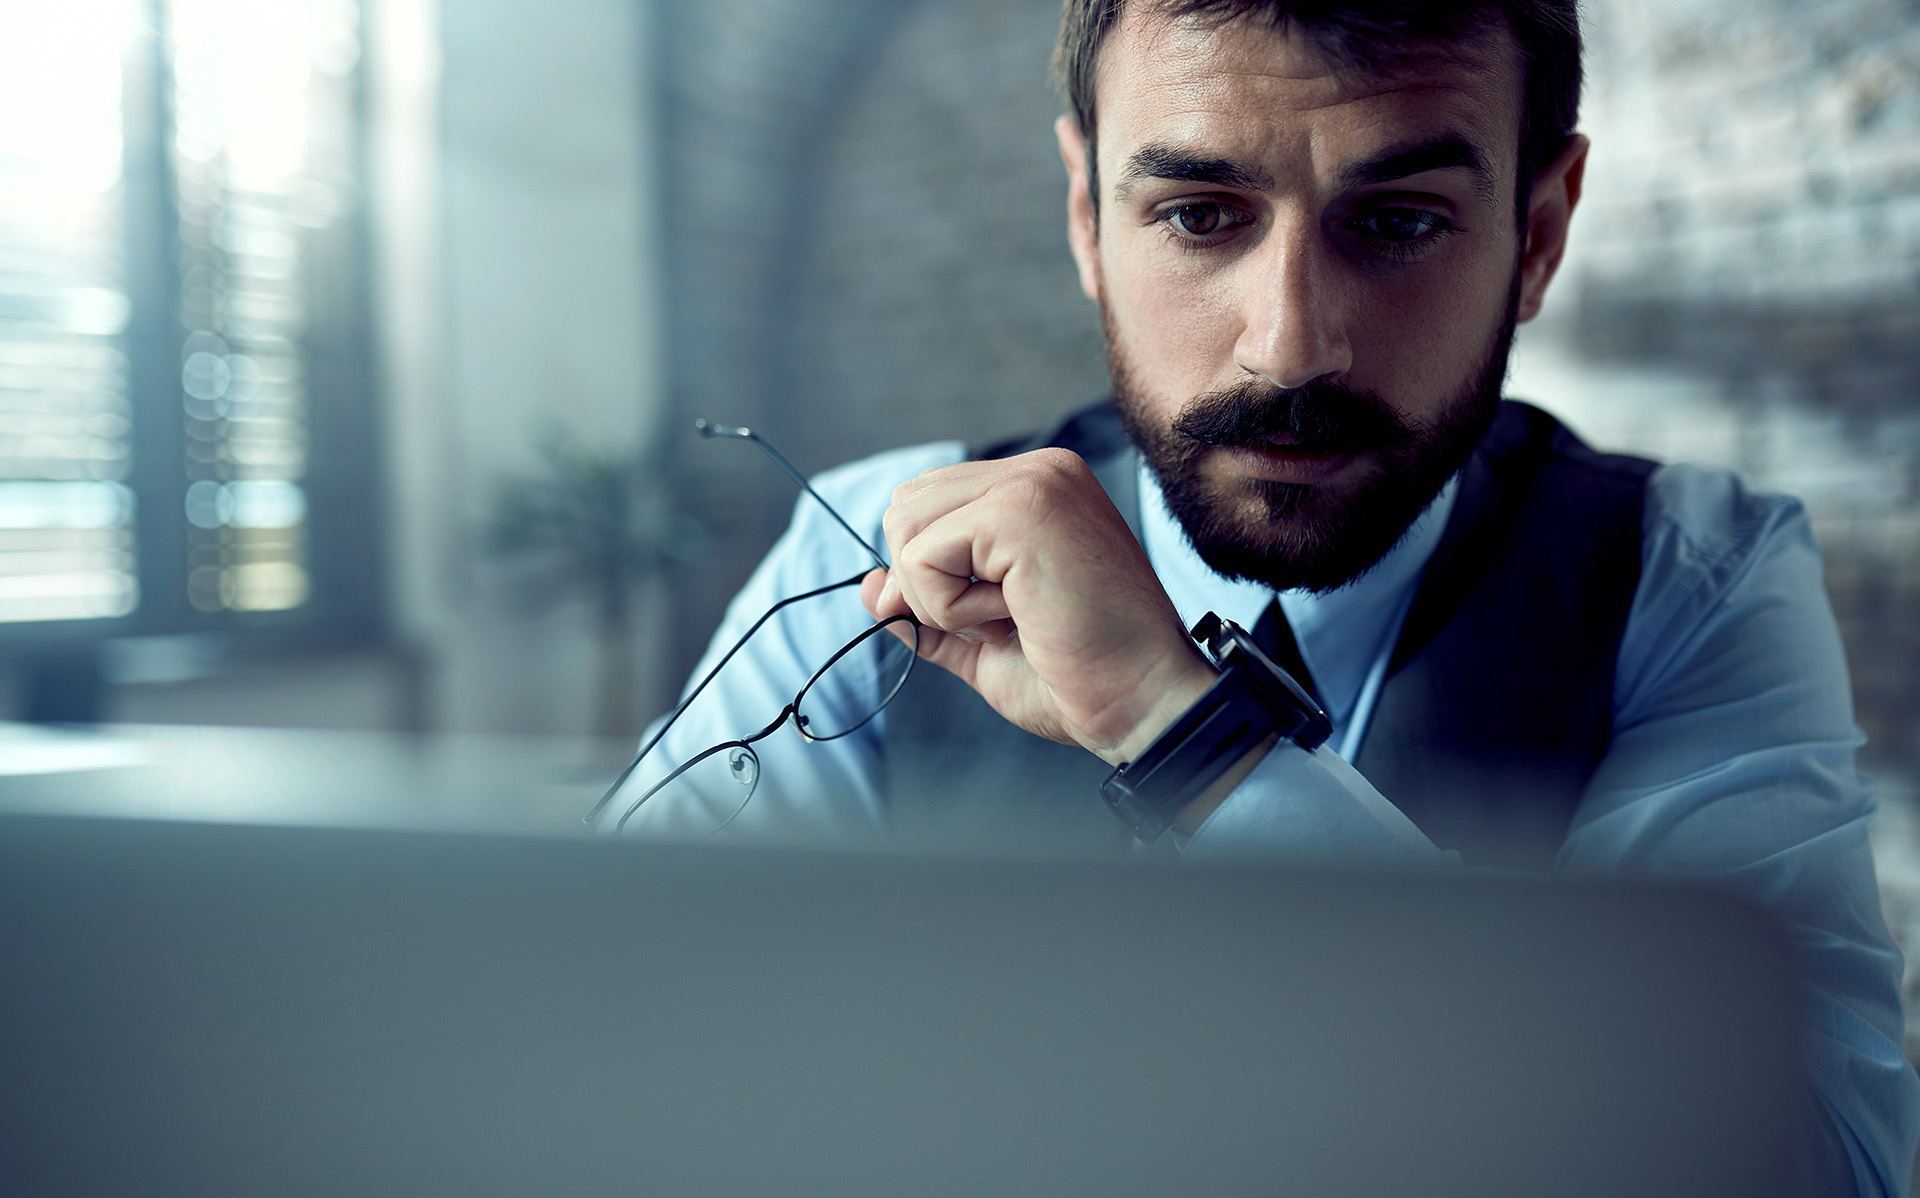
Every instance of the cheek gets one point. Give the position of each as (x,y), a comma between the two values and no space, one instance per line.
(1419,337)
(1176,321)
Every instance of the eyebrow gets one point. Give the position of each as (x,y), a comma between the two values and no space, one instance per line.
(1160,161)
(1448,151)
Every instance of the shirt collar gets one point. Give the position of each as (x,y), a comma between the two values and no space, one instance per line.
(1339,633)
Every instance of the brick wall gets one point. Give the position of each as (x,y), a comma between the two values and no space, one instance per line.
(1744,286)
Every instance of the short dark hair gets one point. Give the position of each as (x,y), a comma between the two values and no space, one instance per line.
(1371,36)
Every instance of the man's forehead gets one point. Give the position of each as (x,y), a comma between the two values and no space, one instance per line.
(1195,81)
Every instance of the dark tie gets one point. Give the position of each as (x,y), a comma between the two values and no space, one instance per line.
(1274,636)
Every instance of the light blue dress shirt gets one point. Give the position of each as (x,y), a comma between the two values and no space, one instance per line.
(1731,760)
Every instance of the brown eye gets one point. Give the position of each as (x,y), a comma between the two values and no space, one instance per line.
(1196,220)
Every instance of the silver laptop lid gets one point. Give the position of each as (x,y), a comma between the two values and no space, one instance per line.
(213,1010)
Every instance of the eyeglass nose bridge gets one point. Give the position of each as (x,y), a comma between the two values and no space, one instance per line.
(737,753)
(743,748)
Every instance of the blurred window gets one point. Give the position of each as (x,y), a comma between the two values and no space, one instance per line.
(178,291)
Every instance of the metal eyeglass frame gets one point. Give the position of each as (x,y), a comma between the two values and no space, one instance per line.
(744,745)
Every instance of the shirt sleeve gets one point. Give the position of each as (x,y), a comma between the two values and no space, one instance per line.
(1731,762)
(800,790)
(1301,804)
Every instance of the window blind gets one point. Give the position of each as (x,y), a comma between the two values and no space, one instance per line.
(67,547)
(257,128)
(259,111)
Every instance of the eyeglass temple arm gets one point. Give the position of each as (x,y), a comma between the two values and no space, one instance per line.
(693,694)
(708,429)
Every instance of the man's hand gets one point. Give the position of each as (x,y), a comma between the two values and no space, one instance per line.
(1030,588)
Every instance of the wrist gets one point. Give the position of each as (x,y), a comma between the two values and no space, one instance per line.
(1197,760)
(1170,696)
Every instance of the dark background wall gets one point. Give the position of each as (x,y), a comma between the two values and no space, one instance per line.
(864,228)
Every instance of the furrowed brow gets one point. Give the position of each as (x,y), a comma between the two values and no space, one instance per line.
(1446,152)
(1158,161)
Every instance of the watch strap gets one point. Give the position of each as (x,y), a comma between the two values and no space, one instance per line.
(1251,699)
(1204,743)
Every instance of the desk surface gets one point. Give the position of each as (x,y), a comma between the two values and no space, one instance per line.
(305,777)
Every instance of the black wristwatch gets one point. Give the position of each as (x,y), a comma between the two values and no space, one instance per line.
(1252,699)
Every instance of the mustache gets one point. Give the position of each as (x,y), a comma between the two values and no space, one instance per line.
(1320,416)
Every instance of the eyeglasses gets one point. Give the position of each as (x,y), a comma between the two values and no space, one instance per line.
(855,685)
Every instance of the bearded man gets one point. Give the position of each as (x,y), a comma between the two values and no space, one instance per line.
(1311,230)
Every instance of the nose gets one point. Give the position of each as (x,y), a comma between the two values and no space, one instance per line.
(1294,330)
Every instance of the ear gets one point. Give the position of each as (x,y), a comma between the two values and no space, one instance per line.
(1555,192)
(1083,233)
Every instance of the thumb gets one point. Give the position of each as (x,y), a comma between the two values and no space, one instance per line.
(880,595)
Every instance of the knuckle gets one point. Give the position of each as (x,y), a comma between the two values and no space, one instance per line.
(1058,463)
(1038,479)
(1044,475)
(910,562)
(1025,492)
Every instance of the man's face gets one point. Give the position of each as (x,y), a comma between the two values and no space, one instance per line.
(1309,281)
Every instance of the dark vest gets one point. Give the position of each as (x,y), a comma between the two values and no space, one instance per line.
(1498,701)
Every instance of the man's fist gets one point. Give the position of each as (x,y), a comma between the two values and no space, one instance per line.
(1030,587)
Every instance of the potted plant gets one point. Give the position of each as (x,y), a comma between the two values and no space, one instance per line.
(595,522)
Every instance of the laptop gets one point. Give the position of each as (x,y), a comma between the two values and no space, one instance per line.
(200,1009)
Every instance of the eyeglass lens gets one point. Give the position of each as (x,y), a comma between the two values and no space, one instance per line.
(720,781)
(856,683)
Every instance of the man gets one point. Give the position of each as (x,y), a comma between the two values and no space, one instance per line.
(1310,231)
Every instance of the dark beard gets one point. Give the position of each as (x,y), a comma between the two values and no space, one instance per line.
(1297,536)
